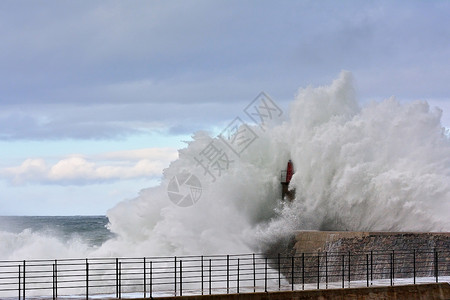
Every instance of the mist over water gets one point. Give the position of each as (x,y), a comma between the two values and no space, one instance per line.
(25,237)
(384,166)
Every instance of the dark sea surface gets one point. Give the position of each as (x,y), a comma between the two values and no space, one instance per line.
(91,229)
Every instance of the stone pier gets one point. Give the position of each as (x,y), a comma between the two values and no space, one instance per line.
(346,254)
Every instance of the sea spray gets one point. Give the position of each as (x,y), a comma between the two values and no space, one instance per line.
(381,166)
(384,166)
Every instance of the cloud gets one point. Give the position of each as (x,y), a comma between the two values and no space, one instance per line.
(47,123)
(29,170)
(115,120)
(79,170)
(108,70)
(139,154)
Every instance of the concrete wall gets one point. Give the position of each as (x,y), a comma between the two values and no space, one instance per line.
(408,292)
(344,241)
(312,243)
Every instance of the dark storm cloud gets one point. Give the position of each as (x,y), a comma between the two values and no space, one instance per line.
(110,69)
(107,121)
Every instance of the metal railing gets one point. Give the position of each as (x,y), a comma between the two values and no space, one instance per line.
(217,274)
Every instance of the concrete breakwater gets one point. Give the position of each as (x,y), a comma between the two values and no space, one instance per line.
(436,291)
(312,256)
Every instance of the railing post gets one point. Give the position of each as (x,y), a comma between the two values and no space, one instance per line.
(117,278)
(201,266)
(371,267)
(392,263)
(326,269)
(210,276)
(292,272)
(349,268)
(87,279)
(343,269)
(265,275)
(20,274)
(151,279)
(318,270)
(237,283)
(254,273)
(175,275)
(145,279)
(393,266)
(56,278)
(414,265)
(23,281)
(181,277)
(303,271)
(120,280)
(279,272)
(436,265)
(228,274)
(367,269)
(53,282)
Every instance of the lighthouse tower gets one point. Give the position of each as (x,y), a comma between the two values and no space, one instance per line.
(286,176)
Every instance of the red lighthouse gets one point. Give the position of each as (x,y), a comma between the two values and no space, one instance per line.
(289,171)
(286,177)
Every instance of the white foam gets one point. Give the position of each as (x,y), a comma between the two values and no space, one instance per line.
(384,166)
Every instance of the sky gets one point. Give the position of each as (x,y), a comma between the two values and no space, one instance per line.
(97,96)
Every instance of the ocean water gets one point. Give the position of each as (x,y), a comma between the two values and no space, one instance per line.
(41,236)
(380,166)
(91,229)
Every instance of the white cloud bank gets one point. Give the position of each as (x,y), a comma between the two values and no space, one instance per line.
(81,170)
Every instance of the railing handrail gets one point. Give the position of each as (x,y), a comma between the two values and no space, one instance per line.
(201,274)
(171,258)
